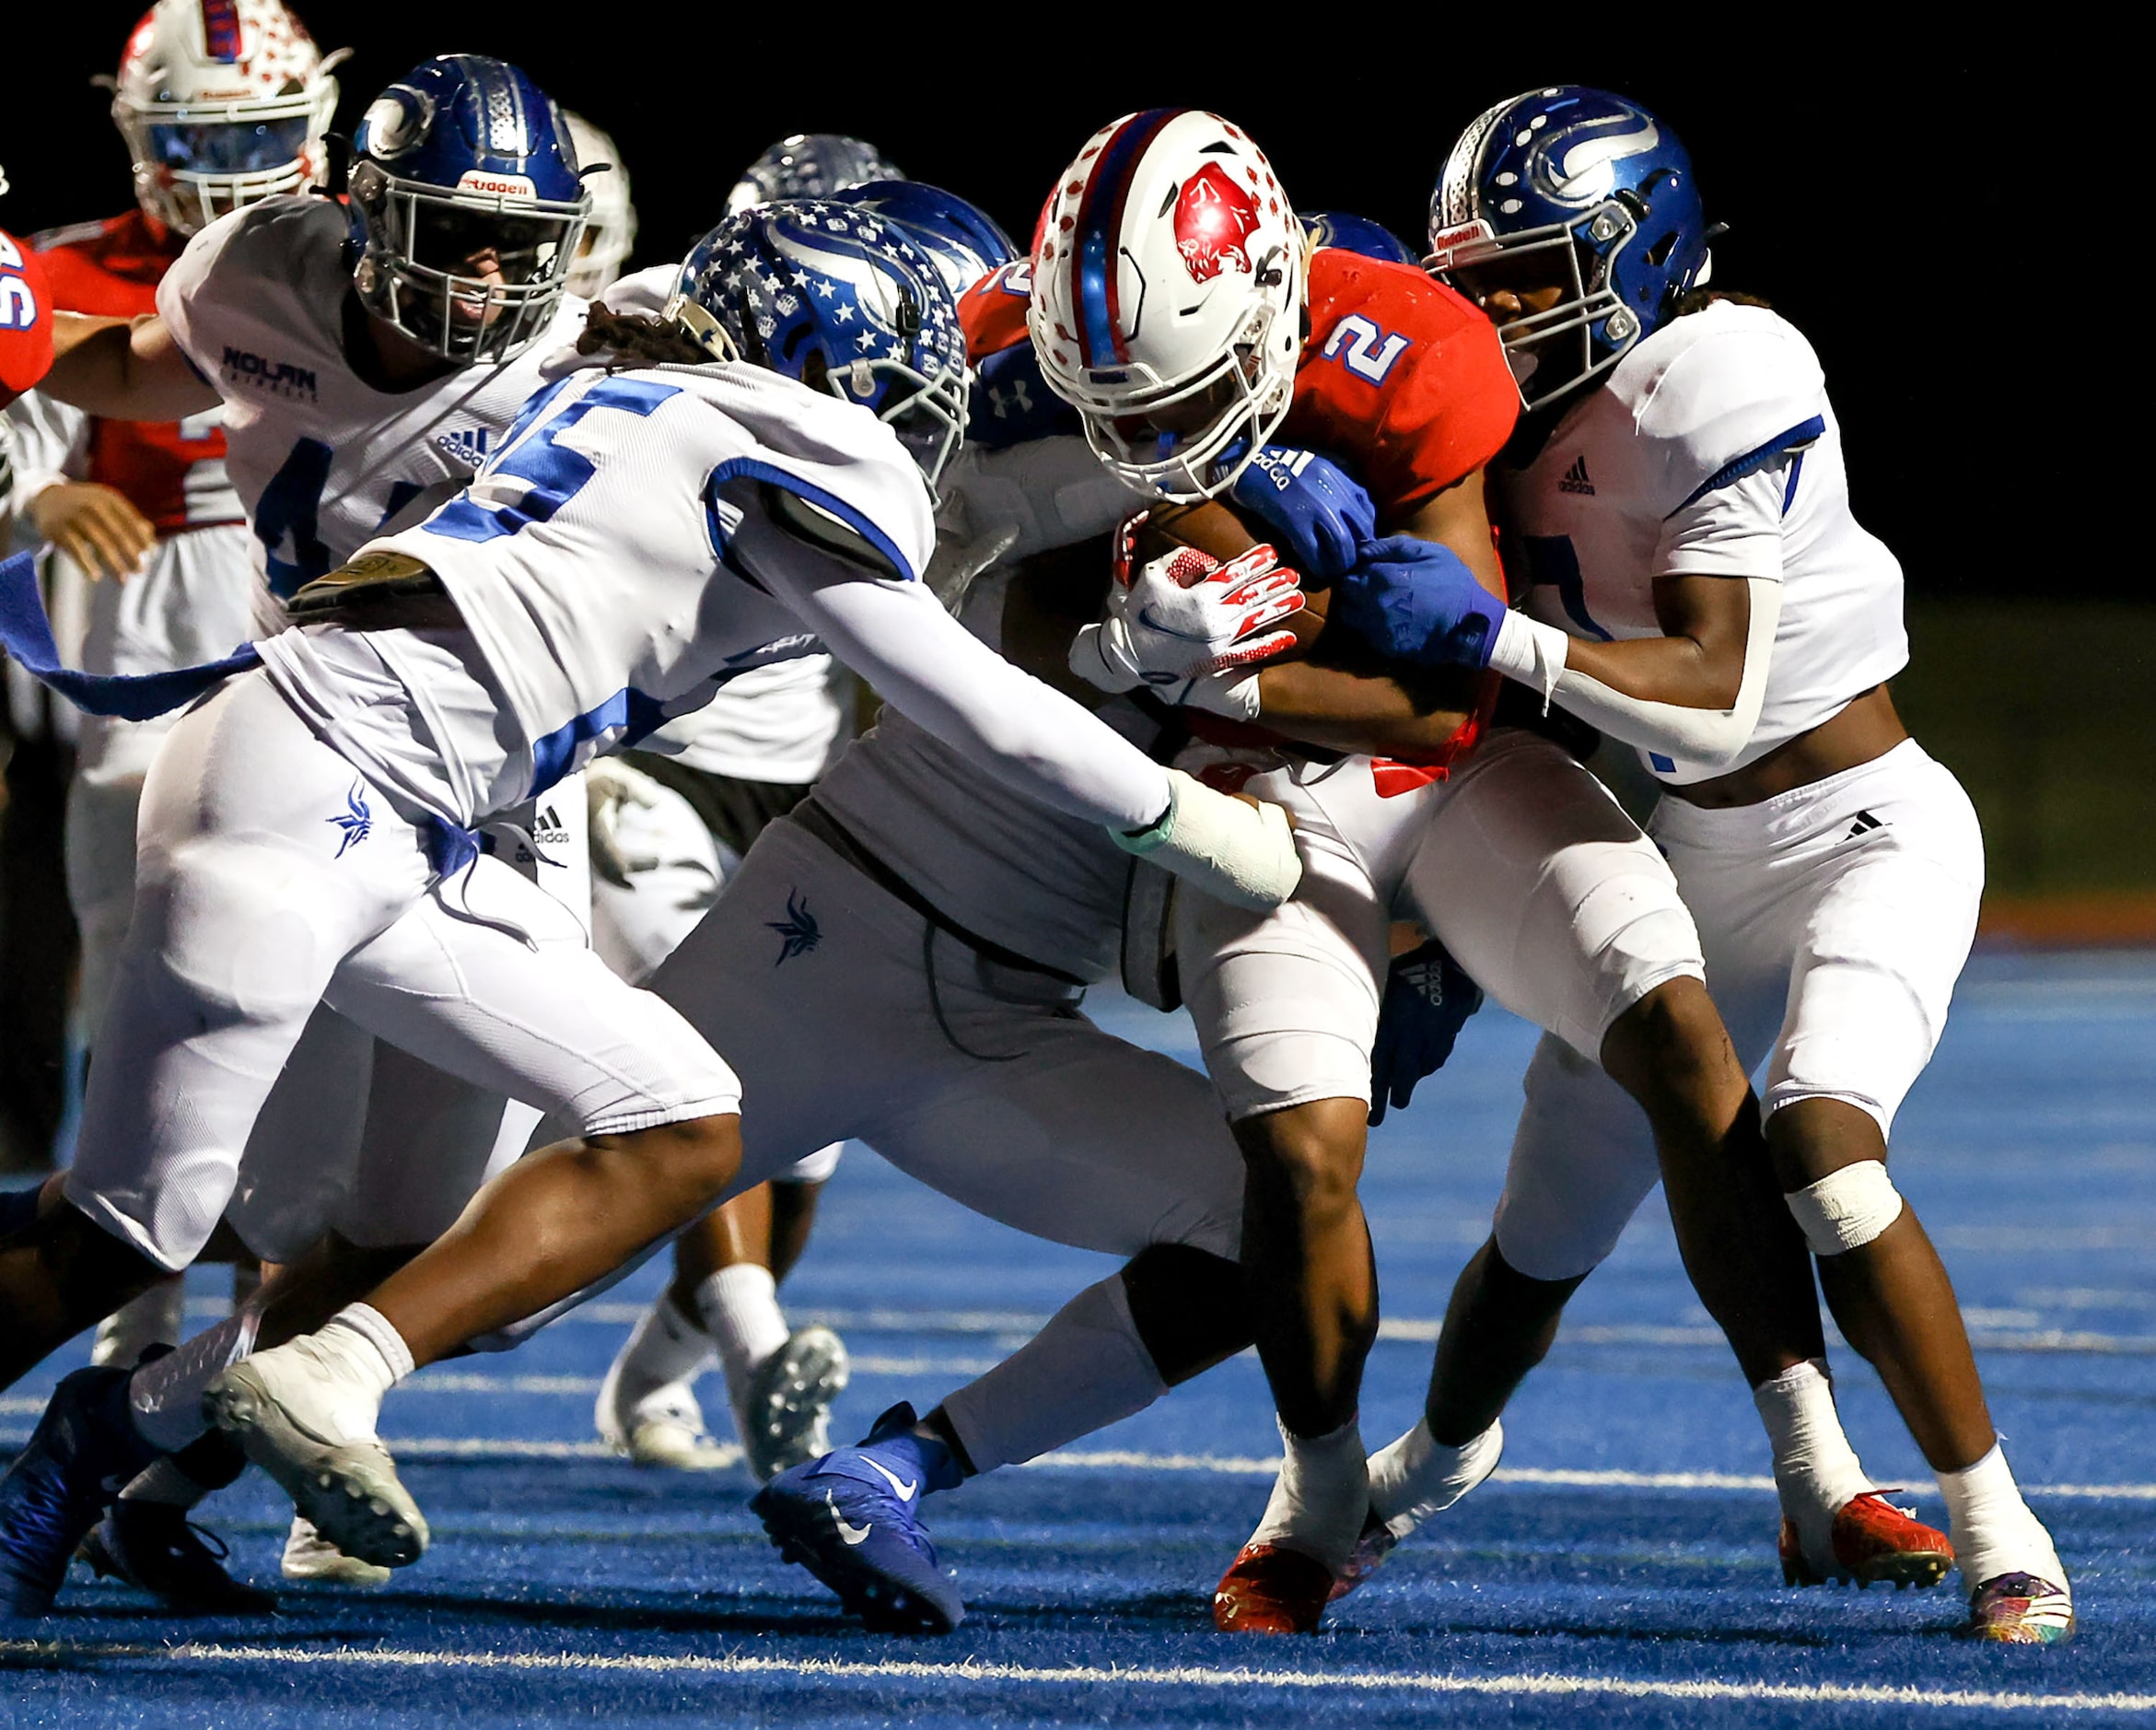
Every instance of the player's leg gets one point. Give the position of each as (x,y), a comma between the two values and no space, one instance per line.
(243,911)
(1878,933)
(656,1118)
(1068,1133)
(1285,1006)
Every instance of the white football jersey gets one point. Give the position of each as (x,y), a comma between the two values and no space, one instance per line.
(321,461)
(1712,451)
(783,723)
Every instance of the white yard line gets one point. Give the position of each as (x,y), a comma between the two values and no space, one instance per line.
(969,1675)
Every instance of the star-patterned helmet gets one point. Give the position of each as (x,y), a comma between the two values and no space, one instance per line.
(1583,188)
(467,206)
(844,300)
(965,241)
(222,102)
(1167,303)
(810,165)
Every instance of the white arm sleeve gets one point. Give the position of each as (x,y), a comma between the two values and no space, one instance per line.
(1695,742)
(939,675)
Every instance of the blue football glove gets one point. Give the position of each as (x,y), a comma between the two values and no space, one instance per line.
(1320,515)
(1428,997)
(1417,601)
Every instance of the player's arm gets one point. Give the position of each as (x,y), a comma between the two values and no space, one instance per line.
(131,370)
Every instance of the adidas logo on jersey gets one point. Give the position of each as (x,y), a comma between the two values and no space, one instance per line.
(1864,824)
(468,444)
(1575,479)
(279,378)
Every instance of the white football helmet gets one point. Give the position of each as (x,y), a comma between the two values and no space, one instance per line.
(610,235)
(222,102)
(1167,304)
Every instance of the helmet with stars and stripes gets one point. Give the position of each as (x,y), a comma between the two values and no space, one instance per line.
(1167,303)
(843,300)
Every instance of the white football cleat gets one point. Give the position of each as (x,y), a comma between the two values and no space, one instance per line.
(784,1414)
(295,1411)
(311,1556)
(663,1428)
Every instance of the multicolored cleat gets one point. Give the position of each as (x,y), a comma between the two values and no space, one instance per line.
(1270,1589)
(1873,1541)
(82,1454)
(852,1520)
(2019,1609)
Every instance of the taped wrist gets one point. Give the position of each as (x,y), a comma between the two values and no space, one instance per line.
(1846,1210)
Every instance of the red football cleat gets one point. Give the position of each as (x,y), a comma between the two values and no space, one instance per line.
(1873,1540)
(1371,1550)
(1272,1590)
(2019,1609)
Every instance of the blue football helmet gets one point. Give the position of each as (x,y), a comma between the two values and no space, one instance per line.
(462,159)
(810,165)
(963,239)
(1355,234)
(1581,187)
(843,300)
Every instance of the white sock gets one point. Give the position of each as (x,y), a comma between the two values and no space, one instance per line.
(739,1307)
(1321,1497)
(665,1347)
(1418,1475)
(165,1397)
(1993,1529)
(1815,1469)
(1083,1372)
(356,1358)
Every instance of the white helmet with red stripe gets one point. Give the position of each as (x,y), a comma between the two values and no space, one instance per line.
(222,102)
(1167,304)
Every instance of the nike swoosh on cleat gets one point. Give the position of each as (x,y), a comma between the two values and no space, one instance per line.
(904,1487)
(853,1534)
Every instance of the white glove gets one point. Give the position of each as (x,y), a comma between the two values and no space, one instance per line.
(1234,851)
(1187,615)
(609,784)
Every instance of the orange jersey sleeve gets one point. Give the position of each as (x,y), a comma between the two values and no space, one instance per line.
(992,312)
(25,319)
(1402,381)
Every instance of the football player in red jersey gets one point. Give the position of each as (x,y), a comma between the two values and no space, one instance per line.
(1174,304)
(26,322)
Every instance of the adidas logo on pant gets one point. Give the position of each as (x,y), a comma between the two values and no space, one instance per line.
(1864,824)
(1575,480)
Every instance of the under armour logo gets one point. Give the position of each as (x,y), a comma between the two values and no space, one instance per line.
(798,929)
(358,823)
(1575,479)
(1003,401)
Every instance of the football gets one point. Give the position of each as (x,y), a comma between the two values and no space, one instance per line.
(1220,530)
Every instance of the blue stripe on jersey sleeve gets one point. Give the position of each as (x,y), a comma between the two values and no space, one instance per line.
(1798,438)
(749,468)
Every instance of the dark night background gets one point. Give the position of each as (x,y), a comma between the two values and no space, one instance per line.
(1900,199)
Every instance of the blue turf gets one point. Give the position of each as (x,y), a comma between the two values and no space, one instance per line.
(2028,1150)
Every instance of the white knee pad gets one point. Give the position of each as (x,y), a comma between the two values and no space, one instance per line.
(1848,1209)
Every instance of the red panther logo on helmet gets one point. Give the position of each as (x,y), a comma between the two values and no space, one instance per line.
(1214,218)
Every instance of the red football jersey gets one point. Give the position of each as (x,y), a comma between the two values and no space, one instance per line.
(1402,382)
(112,269)
(25,319)
(992,312)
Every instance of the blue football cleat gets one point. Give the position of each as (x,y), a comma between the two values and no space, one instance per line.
(852,1520)
(82,1454)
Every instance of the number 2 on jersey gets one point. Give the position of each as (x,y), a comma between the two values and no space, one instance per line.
(1364,348)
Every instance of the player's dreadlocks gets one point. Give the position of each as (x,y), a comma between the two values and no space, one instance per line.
(636,339)
(1699,300)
